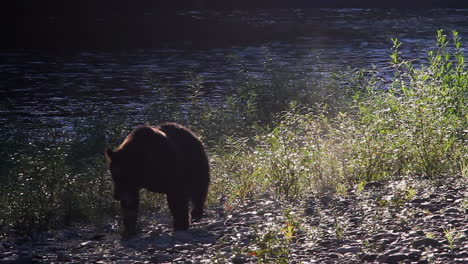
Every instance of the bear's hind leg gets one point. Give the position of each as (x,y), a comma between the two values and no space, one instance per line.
(179,206)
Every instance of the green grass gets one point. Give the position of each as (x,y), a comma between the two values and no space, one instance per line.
(282,135)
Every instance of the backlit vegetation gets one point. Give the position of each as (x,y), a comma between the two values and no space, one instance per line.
(281,134)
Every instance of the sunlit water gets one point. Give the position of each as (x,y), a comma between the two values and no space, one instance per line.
(38,86)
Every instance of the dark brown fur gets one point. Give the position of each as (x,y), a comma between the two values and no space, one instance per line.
(167,159)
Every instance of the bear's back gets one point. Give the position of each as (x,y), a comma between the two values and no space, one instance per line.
(187,144)
(193,164)
(142,142)
(180,136)
(166,158)
(141,135)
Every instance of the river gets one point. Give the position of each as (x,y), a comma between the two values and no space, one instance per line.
(44,86)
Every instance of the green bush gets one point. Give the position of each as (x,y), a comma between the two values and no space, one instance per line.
(281,134)
(420,123)
(51,178)
(416,127)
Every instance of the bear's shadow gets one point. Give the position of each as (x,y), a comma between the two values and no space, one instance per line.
(164,239)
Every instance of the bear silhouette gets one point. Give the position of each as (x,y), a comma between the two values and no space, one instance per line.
(167,159)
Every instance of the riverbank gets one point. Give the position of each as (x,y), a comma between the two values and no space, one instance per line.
(395,222)
(363,146)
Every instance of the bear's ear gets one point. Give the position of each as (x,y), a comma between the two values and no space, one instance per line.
(109,154)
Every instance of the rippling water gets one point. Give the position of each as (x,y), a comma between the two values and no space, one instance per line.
(43,86)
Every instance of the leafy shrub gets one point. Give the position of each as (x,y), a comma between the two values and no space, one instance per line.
(415,127)
(420,122)
(280,134)
(56,178)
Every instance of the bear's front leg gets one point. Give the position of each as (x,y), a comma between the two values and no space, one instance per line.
(179,206)
(129,207)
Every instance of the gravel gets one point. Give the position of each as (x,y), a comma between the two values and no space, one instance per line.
(395,222)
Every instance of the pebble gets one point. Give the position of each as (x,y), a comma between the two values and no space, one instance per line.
(372,185)
(239,259)
(162,258)
(452,211)
(87,243)
(347,229)
(425,242)
(124,262)
(347,249)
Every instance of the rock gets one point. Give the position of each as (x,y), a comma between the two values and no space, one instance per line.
(418,200)
(396,258)
(216,224)
(326,243)
(151,234)
(449,197)
(416,233)
(369,257)
(10,259)
(41,244)
(390,236)
(69,234)
(162,243)
(430,218)
(87,243)
(414,255)
(97,237)
(348,249)
(239,259)
(372,185)
(16,259)
(183,236)
(334,255)
(452,211)
(124,261)
(6,254)
(447,255)
(430,206)
(183,247)
(425,242)
(63,257)
(157,258)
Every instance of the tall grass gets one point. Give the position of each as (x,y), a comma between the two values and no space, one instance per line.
(281,134)
(415,126)
(50,178)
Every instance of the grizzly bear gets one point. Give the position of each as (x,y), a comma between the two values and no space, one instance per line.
(167,159)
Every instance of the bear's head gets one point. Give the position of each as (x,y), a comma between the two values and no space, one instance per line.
(121,171)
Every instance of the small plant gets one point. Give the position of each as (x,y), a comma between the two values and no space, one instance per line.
(398,199)
(430,235)
(360,187)
(451,235)
(464,204)
(341,189)
(272,244)
(395,55)
(410,193)
(270,247)
(464,169)
(339,229)
(292,225)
